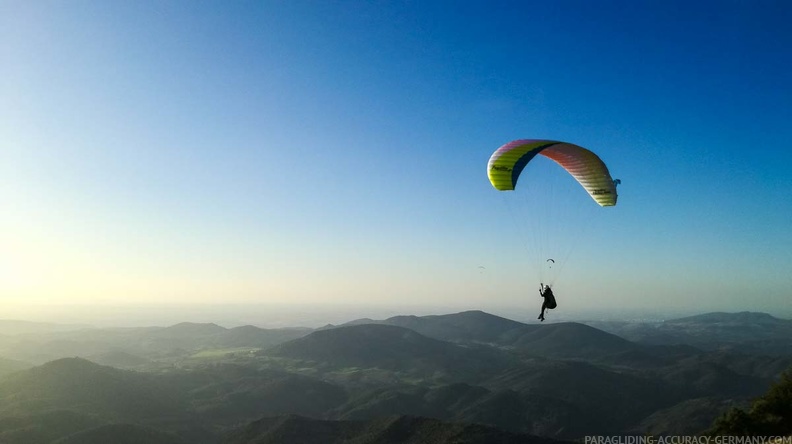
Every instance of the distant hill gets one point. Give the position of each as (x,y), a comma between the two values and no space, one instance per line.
(568,339)
(188,329)
(81,385)
(363,345)
(745,332)
(741,318)
(250,336)
(391,348)
(467,326)
(44,347)
(390,430)
(186,335)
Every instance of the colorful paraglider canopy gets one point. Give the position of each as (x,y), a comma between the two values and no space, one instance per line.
(508,161)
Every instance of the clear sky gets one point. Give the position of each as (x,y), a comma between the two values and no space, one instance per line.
(334,152)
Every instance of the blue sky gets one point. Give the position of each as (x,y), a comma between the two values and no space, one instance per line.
(335,152)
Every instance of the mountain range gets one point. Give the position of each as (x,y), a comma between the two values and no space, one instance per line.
(463,377)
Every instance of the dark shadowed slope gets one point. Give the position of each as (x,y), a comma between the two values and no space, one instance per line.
(647,356)
(612,400)
(689,417)
(567,340)
(229,399)
(763,366)
(391,430)
(504,409)
(44,427)
(565,399)
(393,401)
(701,377)
(121,434)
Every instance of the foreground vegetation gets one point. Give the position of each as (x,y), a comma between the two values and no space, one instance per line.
(768,415)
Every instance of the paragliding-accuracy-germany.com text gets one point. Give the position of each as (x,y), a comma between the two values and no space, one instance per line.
(594,439)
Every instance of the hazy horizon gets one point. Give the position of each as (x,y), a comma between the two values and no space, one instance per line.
(309,316)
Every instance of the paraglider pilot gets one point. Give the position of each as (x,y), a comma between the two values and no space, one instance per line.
(549,300)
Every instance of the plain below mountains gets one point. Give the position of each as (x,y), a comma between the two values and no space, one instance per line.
(758,333)
(135,346)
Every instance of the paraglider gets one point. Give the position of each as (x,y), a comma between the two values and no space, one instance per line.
(507,163)
(549,300)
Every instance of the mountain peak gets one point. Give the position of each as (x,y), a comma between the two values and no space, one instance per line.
(195,328)
(466,326)
(68,365)
(366,345)
(76,383)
